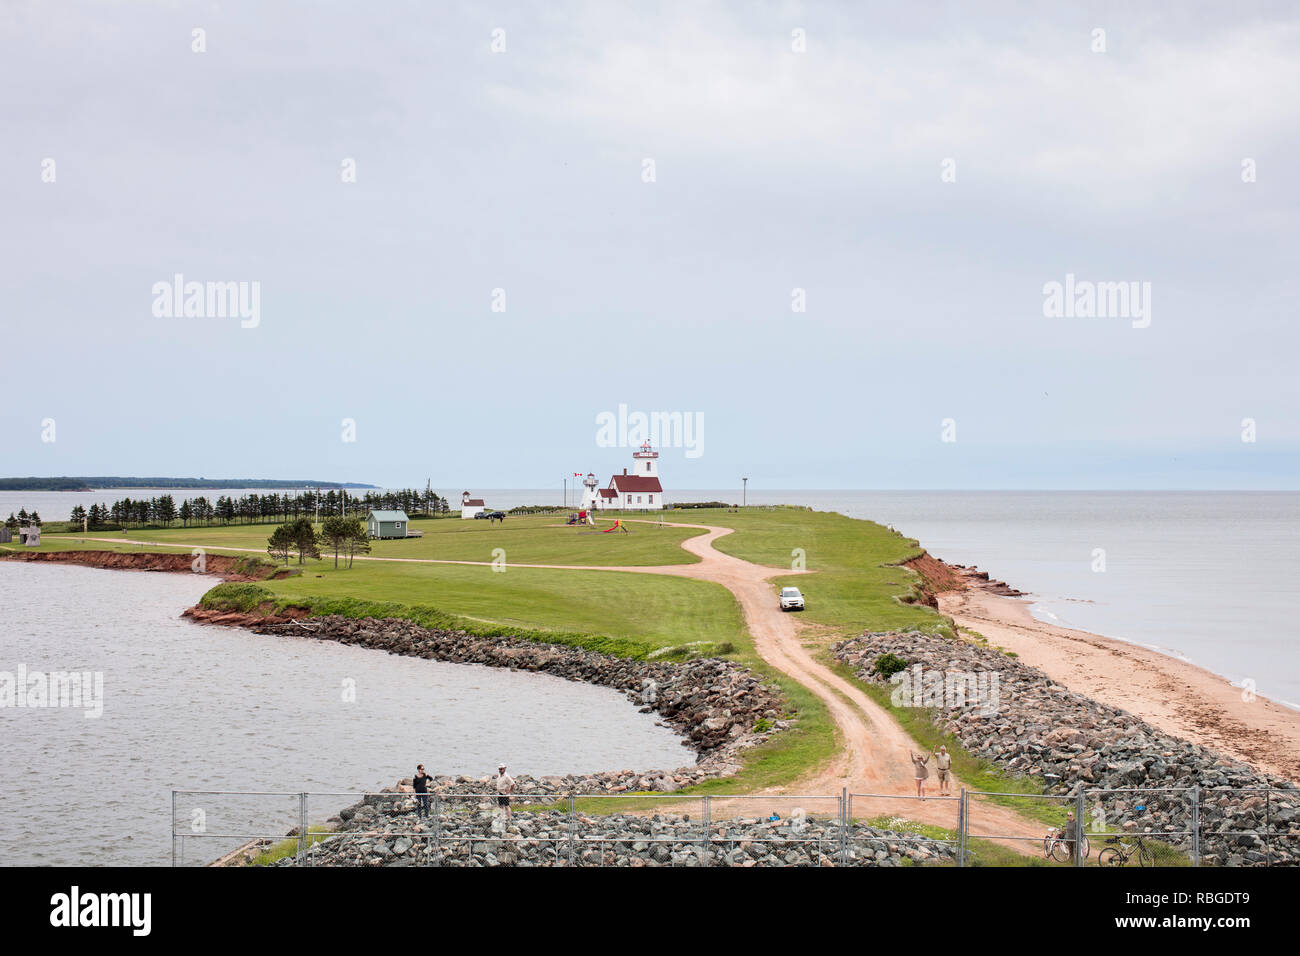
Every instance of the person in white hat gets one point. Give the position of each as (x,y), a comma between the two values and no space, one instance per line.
(505,785)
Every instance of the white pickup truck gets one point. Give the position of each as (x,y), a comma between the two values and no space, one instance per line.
(791,599)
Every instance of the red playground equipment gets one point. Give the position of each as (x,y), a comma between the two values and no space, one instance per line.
(617,526)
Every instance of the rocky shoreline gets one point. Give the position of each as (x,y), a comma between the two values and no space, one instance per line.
(1039,728)
(384,830)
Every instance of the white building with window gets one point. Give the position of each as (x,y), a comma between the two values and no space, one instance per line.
(470,507)
(635,490)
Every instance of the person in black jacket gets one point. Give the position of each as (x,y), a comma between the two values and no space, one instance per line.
(421,782)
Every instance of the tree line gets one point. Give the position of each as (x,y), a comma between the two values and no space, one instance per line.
(253,508)
(22,520)
(346,537)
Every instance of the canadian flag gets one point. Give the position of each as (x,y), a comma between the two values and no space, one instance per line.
(577,474)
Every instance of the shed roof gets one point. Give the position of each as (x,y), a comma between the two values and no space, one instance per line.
(389,516)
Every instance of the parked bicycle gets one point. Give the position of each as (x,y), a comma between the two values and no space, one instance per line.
(1119,851)
(1057,847)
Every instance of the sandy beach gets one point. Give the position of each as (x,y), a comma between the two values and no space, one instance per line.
(1173,695)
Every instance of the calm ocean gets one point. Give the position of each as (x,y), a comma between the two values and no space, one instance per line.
(215,708)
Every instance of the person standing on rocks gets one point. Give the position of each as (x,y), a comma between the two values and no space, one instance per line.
(421,783)
(922,772)
(943,764)
(505,785)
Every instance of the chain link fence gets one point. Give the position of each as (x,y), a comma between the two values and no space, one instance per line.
(1124,827)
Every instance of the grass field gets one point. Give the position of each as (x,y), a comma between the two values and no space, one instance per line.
(533,539)
(855,587)
(655,611)
(856,584)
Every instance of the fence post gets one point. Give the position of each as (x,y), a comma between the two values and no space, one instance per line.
(437,829)
(302,827)
(1268,835)
(961,828)
(1079,808)
(704,847)
(846,814)
(173,828)
(572,831)
(1196,824)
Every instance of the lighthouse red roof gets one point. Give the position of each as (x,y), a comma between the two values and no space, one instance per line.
(626,483)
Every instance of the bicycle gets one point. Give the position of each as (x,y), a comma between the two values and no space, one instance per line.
(1119,852)
(1056,847)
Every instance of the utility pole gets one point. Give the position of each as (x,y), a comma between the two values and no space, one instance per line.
(744,494)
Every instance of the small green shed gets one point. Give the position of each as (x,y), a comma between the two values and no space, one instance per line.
(388,524)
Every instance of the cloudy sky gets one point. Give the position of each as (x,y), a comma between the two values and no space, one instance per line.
(649,185)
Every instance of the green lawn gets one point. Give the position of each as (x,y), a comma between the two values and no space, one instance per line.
(651,610)
(855,588)
(533,539)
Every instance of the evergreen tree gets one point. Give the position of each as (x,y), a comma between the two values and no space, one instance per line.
(334,534)
(281,542)
(166,512)
(357,541)
(304,540)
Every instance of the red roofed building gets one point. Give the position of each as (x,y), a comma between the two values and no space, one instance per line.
(635,490)
(470,507)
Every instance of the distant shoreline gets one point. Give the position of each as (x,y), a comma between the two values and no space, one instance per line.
(108,483)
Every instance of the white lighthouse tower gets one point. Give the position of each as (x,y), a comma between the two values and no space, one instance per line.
(589,494)
(647,461)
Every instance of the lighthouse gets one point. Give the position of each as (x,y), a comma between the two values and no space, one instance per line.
(589,494)
(647,461)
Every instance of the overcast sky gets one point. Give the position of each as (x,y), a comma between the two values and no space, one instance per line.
(774,169)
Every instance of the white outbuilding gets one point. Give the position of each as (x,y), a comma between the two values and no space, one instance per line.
(470,507)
